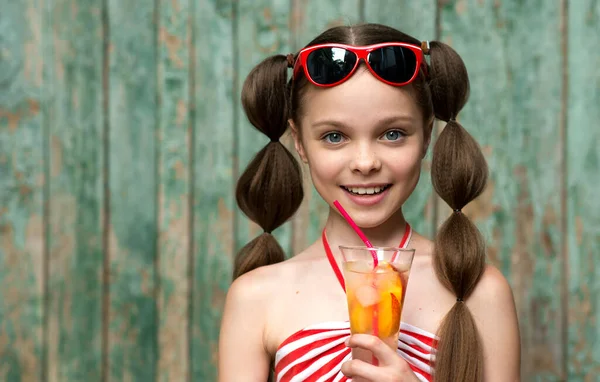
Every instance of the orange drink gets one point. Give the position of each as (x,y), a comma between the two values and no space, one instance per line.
(375,294)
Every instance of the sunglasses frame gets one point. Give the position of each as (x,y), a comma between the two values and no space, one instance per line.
(362,53)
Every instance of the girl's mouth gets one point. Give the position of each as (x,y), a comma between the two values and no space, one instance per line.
(367,191)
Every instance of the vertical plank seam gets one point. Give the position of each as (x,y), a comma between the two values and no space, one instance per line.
(236,115)
(292,49)
(435,128)
(291,247)
(563,127)
(361,10)
(45,205)
(293,29)
(438,19)
(192,181)
(106,188)
(158,125)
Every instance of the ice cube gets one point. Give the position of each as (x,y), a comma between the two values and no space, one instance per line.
(367,295)
(383,267)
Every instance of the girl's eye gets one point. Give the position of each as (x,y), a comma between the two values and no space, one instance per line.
(333,138)
(393,135)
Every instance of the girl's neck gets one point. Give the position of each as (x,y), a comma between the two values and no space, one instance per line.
(388,234)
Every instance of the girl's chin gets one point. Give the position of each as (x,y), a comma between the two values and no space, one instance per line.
(368,219)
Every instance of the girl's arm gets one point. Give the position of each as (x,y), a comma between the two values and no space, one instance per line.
(493,307)
(242,353)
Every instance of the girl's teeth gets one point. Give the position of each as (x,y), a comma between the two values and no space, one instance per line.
(366,191)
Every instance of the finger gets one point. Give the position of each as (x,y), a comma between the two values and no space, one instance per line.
(358,368)
(385,354)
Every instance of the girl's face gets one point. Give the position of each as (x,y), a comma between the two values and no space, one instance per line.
(364,142)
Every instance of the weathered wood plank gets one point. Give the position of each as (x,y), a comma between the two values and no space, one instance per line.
(216,100)
(418,20)
(174,37)
(583,160)
(309,19)
(513,55)
(22,141)
(73,71)
(262,31)
(414,18)
(133,188)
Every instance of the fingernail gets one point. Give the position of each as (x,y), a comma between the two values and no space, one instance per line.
(347,342)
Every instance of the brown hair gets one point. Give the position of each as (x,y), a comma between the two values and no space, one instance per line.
(459,175)
(270,190)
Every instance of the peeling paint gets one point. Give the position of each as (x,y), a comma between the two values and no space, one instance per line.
(482,208)
(12,119)
(182,113)
(461,7)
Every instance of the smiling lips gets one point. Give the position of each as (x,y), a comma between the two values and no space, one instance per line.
(367,190)
(366,195)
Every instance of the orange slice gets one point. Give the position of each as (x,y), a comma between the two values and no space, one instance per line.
(389,315)
(361,318)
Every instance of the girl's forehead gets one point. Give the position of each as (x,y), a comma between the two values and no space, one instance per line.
(361,98)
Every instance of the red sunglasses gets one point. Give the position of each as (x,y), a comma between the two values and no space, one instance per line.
(325,65)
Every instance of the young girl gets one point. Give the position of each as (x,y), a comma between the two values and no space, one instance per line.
(361,116)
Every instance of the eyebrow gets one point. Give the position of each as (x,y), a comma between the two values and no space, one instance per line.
(383,121)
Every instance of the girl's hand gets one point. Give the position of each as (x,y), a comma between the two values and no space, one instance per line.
(392,368)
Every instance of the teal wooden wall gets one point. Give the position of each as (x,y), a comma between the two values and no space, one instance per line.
(122,135)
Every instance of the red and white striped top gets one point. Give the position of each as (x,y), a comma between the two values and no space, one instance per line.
(316,353)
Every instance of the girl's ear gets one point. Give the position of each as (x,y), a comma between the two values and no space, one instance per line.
(297,141)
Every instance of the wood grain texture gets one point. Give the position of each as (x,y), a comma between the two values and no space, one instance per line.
(309,19)
(414,18)
(178,138)
(583,180)
(133,190)
(73,72)
(174,214)
(216,102)
(514,63)
(262,31)
(22,154)
(418,20)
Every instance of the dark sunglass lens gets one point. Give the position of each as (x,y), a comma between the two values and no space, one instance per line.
(393,63)
(329,65)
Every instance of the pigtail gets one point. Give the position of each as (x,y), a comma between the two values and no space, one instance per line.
(269,191)
(459,175)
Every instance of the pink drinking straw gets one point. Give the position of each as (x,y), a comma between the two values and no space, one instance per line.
(357,230)
(375,262)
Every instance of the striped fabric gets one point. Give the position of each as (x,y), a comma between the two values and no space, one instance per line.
(316,353)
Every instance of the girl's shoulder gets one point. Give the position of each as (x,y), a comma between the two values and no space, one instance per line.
(492,289)
(259,284)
